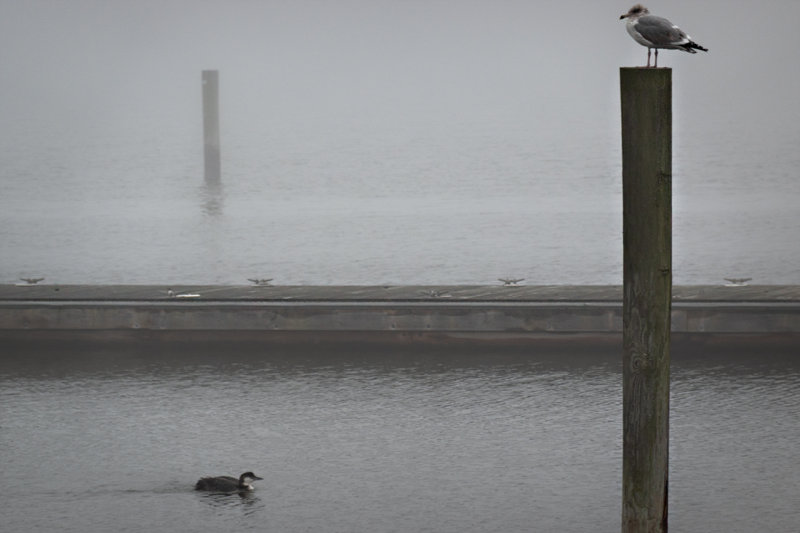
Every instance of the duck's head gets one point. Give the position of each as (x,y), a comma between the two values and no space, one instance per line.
(248,477)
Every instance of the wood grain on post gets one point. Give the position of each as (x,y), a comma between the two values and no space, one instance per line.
(647,288)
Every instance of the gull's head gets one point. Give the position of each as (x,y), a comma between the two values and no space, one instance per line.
(635,12)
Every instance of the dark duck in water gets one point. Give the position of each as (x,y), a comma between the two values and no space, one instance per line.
(227,483)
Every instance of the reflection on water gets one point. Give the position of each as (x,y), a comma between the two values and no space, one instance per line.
(212,198)
(245,502)
(396,441)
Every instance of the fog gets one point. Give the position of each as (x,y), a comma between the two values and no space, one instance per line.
(388,56)
(300,61)
(88,74)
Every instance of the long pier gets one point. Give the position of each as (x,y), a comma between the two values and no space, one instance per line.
(764,314)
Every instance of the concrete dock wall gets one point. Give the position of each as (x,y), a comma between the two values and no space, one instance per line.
(457,312)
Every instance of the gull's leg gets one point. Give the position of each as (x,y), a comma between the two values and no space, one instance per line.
(655,64)
(648,56)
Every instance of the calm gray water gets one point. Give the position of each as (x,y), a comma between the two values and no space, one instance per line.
(114,440)
(384,142)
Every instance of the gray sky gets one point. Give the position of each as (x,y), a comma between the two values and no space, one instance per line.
(327,58)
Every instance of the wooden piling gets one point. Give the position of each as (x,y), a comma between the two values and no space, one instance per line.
(646,95)
(211,147)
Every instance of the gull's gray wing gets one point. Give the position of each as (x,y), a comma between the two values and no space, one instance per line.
(660,31)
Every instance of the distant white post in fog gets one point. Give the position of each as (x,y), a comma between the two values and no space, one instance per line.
(211,149)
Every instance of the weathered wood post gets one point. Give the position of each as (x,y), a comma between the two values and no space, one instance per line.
(211,148)
(647,279)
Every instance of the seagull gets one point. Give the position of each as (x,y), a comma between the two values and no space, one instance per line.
(510,282)
(657,32)
(737,281)
(32,281)
(262,282)
(435,293)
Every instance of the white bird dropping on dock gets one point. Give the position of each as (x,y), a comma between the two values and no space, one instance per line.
(657,32)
